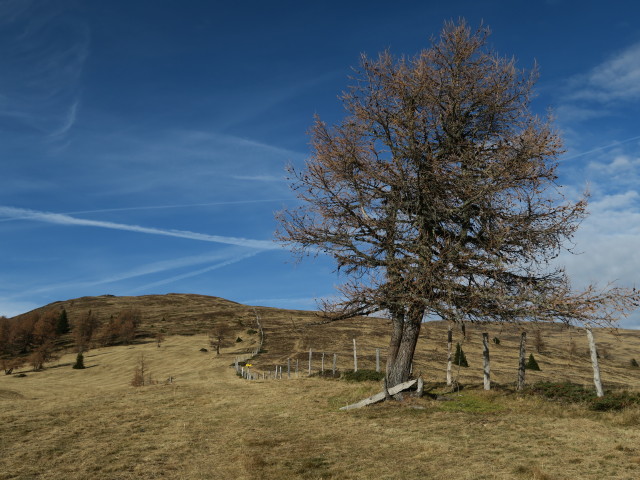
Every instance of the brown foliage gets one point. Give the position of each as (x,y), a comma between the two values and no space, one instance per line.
(121,329)
(141,374)
(42,354)
(538,341)
(218,335)
(84,330)
(437,194)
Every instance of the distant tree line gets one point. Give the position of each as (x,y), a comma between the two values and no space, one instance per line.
(36,337)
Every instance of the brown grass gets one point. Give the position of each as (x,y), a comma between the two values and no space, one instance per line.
(61,423)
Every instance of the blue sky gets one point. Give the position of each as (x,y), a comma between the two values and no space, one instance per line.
(143,144)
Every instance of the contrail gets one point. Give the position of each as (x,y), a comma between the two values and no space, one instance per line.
(601,148)
(188,205)
(61,219)
(197,272)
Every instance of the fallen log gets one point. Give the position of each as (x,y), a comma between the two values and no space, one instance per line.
(378,397)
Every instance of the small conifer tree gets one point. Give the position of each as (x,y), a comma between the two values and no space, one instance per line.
(532,364)
(459,358)
(79,365)
(634,363)
(62,324)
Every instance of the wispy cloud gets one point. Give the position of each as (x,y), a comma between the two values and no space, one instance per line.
(61,219)
(200,271)
(616,79)
(601,148)
(187,205)
(43,51)
(222,258)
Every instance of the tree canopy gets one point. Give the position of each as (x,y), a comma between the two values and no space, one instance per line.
(437,195)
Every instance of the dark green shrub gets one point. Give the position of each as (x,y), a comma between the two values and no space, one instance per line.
(251,331)
(563,392)
(634,363)
(238,340)
(615,401)
(62,324)
(362,376)
(496,340)
(460,358)
(532,364)
(79,365)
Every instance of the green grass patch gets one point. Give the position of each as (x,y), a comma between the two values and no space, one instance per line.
(470,403)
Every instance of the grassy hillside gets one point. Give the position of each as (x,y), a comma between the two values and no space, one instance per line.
(61,423)
(290,334)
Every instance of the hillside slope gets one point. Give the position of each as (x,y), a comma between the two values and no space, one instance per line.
(289,335)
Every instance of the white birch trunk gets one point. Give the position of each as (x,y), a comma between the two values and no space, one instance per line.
(355,356)
(378,360)
(594,363)
(486,367)
(335,361)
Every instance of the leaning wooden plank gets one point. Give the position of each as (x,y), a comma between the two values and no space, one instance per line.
(378,397)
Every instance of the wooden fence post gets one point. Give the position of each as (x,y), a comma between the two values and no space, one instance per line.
(420,390)
(521,360)
(335,361)
(355,356)
(288,368)
(296,368)
(594,363)
(309,362)
(378,360)
(449,356)
(486,367)
(322,364)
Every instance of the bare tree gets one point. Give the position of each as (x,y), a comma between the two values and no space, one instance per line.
(84,329)
(437,196)
(141,375)
(218,335)
(42,354)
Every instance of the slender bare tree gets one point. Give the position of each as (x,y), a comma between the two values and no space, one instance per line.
(437,196)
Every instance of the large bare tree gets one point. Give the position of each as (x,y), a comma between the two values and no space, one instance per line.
(437,195)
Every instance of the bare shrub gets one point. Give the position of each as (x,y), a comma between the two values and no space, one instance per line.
(141,373)
(42,354)
(538,341)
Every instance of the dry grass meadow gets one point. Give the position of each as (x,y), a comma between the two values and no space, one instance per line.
(61,423)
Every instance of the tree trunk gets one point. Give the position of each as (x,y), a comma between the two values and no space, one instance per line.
(397,321)
(522,361)
(486,365)
(398,370)
(449,357)
(594,363)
